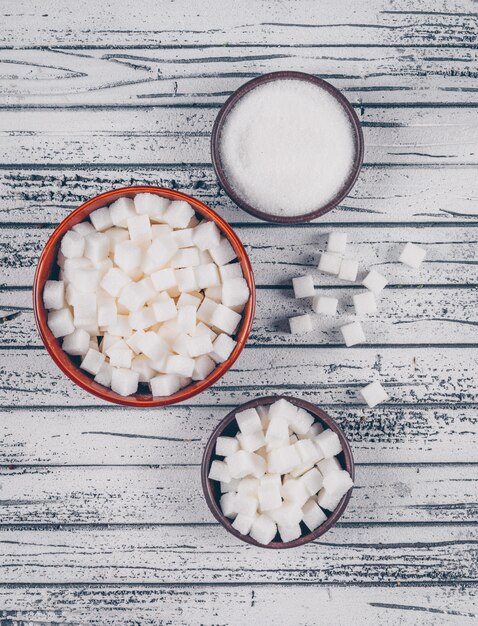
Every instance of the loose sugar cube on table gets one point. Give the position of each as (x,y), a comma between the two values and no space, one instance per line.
(352,333)
(263,529)
(375,282)
(248,421)
(365,303)
(374,394)
(300,324)
(337,242)
(303,286)
(329,443)
(313,516)
(348,270)
(330,263)
(412,255)
(324,305)
(54,294)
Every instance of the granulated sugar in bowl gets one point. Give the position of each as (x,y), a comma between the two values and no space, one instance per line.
(288,148)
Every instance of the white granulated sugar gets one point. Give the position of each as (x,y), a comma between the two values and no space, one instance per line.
(287,147)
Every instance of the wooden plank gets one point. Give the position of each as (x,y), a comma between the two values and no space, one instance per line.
(163,495)
(110,435)
(410,375)
(205,554)
(237,605)
(121,23)
(207,75)
(280,253)
(405,316)
(182,135)
(382,194)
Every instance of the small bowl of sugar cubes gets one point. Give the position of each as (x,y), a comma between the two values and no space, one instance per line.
(144,296)
(277,472)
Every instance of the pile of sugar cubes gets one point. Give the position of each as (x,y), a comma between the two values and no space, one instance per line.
(147,294)
(335,262)
(279,472)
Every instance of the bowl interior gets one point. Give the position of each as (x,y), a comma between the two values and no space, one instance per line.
(221,171)
(48,269)
(228,427)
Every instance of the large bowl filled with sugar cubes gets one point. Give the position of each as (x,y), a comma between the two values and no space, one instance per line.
(277,472)
(144,296)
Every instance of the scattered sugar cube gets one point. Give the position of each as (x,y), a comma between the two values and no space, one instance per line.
(165,385)
(411,255)
(303,286)
(54,294)
(101,219)
(300,324)
(263,529)
(329,443)
(121,210)
(337,242)
(375,282)
(60,322)
(226,446)
(203,366)
(348,270)
(248,421)
(243,523)
(92,361)
(313,516)
(76,343)
(352,333)
(223,347)
(330,263)
(324,305)
(72,245)
(235,291)
(374,394)
(219,471)
(223,253)
(365,303)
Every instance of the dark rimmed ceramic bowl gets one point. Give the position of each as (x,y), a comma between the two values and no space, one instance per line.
(228,427)
(221,173)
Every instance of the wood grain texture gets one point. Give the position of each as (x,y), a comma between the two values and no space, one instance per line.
(158,135)
(165,494)
(278,254)
(410,375)
(382,194)
(206,554)
(163,605)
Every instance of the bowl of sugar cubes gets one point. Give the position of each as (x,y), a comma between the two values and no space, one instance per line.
(287,147)
(277,472)
(144,296)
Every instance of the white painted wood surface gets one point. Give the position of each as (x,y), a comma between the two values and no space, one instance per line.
(103,521)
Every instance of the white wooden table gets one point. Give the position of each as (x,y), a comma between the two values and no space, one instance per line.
(102,516)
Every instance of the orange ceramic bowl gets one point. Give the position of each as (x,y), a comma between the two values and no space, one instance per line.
(48,269)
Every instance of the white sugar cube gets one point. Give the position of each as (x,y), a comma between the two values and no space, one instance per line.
(114,280)
(365,303)
(121,210)
(206,310)
(92,361)
(164,279)
(178,214)
(70,267)
(83,228)
(207,275)
(165,384)
(142,319)
(288,514)
(241,464)
(186,279)
(294,491)
(375,282)
(227,503)
(283,460)
(219,471)
(207,235)
(282,409)
(122,328)
(246,505)
(348,270)
(243,523)
(226,446)
(101,219)
(97,247)
(178,364)
(184,238)
(128,257)
(154,347)
(141,365)
(187,319)
(232,485)
(60,322)
(300,324)
(222,253)
(308,451)
(324,305)
(326,466)
(214,293)
(104,267)
(337,242)
(180,344)
(86,280)
(124,381)
(106,311)
(116,235)
(159,253)
(263,529)
(249,486)
(120,355)
(411,255)
(352,333)
(225,319)
(277,430)
(252,442)
(259,464)
(203,366)
(104,375)
(328,501)
(289,533)
(303,286)
(72,245)
(185,257)
(76,343)
(269,495)
(329,443)
(248,421)
(223,347)
(301,421)
(338,483)
(312,481)
(233,270)
(139,228)
(200,345)
(160,231)
(313,516)
(107,341)
(235,292)
(374,394)
(134,342)
(330,263)
(188,299)
(85,310)
(54,294)
(164,309)
(150,204)
(134,296)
